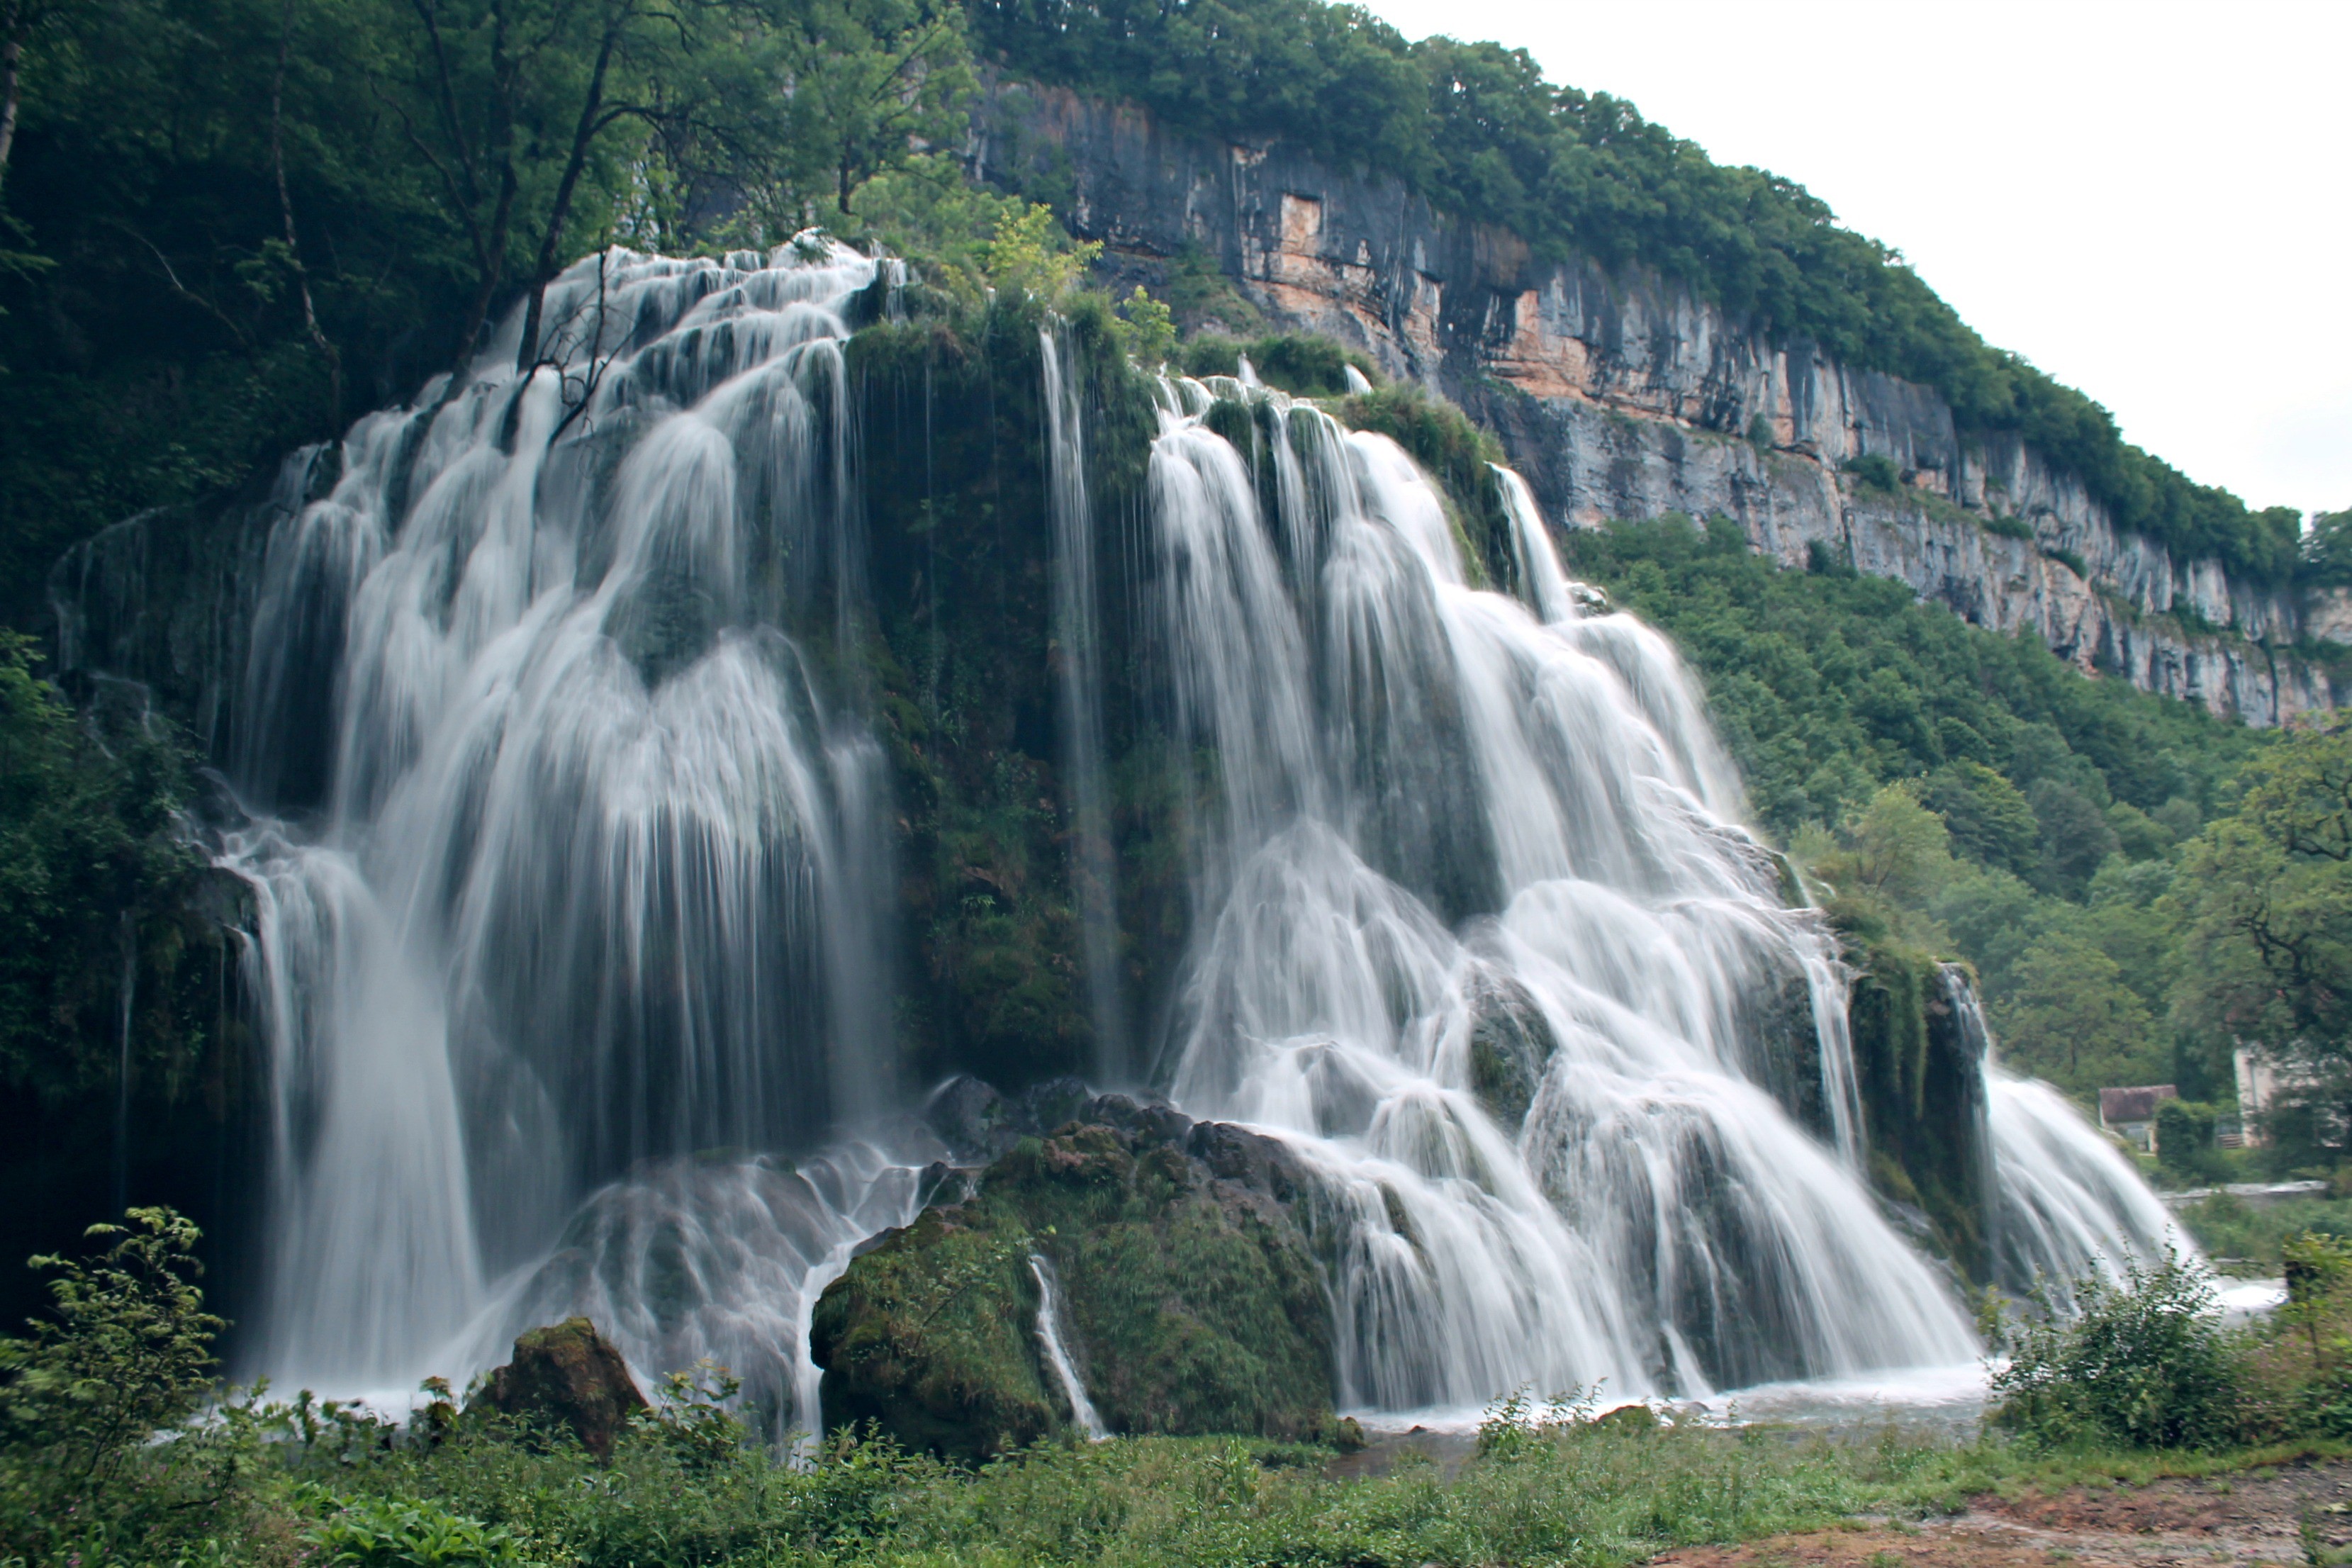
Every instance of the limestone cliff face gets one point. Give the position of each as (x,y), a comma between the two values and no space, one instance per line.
(1625,395)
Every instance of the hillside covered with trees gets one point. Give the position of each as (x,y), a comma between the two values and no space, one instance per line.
(233,225)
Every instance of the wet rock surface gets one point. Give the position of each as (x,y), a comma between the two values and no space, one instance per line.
(568,1374)
(1190,1299)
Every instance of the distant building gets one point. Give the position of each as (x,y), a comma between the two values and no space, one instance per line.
(2261,1081)
(2130,1113)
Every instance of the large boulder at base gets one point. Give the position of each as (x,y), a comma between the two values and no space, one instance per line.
(1185,1266)
(568,1373)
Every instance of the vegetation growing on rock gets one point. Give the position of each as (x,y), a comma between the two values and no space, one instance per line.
(1190,1294)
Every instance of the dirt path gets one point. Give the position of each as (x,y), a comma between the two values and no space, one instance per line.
(2252,1516)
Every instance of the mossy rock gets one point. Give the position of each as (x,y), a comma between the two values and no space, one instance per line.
(931,1336)
(1921,1084)
(567,1374)
(1509,1045)
(1191,1300)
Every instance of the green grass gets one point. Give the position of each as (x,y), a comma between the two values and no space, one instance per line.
(2229,1228)
(304,1485)
(1591,1495)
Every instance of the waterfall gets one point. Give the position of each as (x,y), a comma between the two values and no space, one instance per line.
(565,814)
(1083,1415)
(2059,1200)
(1093,867)
(2068,1201)
(1481,938)
(593,881)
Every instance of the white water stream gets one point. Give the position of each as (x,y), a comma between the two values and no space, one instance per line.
(1083,1415)
(592,927)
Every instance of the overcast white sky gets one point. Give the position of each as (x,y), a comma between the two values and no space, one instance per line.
(2150,199)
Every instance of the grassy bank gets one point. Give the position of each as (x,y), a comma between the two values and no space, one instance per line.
(1592,1493)
(126,1352)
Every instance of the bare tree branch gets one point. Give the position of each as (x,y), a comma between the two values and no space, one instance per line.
(285,214)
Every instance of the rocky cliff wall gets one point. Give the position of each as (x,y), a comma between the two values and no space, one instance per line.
(1623,395)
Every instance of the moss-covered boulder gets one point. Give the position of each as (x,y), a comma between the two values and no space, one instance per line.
(1919,1069)
(1190,1297)
(1510,1045)
(567,1374)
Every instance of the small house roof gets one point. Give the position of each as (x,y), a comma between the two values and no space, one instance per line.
(2134,1104)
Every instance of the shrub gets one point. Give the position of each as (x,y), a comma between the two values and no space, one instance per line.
(2184,1140)
(1029,254)
(1876,470)
(125,1355)
(385,1532)
(1516,1424)
(2143,1362)
(1300,363)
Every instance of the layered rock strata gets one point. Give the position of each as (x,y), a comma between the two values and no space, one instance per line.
(1625,395)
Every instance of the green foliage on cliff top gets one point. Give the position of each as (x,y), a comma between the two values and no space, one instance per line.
(1476,129)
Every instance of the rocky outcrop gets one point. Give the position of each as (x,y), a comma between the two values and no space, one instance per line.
(1621,396)
(166,599)
(1188,1294)
(568,1375)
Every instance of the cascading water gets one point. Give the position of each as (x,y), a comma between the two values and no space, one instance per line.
(1093,870)
(1083,1415)
(596,882)
(574,907)
(2064,1200)
(1478,935)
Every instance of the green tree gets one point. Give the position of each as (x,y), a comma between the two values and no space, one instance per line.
(17,20)
(873,82)
(2070,1018)
(1895,849)
(527,111)
(125,1352)
(2266,899)
(1988,816)
(2184,1139)
(2075,839)
(1030,254)
(1150,328)
(2328,548)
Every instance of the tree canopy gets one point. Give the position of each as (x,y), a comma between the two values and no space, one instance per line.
(229,225)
